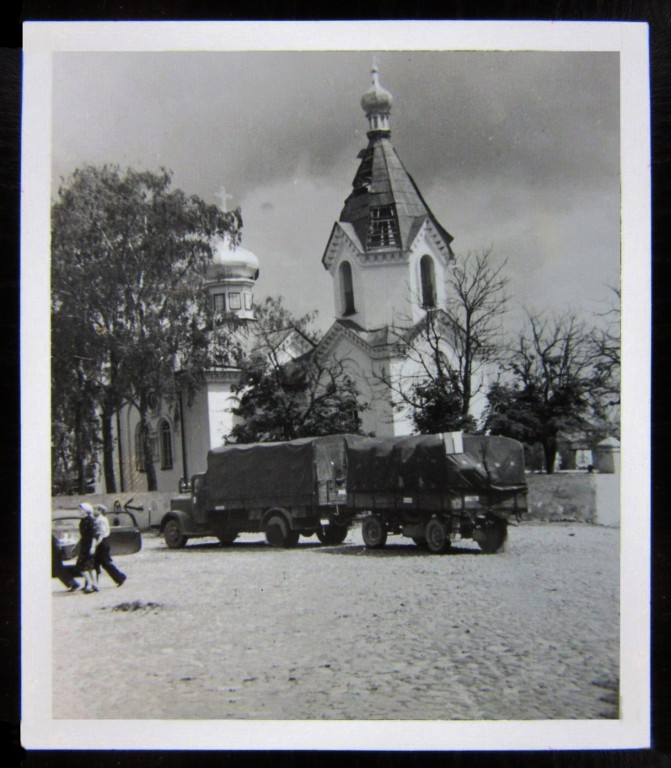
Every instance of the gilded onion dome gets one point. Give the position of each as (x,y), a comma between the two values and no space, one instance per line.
(376,98)
(233,262)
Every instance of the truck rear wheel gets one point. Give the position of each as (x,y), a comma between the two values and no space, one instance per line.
(492,535)
(278,533)
(173,536)
(437,538)
(332,534)
(374,533)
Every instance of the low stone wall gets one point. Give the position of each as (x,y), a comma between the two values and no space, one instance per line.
(147,507)
(562,496)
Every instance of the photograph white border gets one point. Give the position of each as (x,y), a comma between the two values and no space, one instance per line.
(38,729)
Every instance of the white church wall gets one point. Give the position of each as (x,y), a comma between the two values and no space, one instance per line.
(197,435)
(377,418)
(404,372)
(424,246)
(133,478)
(220,400)
(380,290)
(383,294)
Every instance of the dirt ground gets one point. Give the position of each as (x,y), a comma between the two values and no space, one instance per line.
(252,632)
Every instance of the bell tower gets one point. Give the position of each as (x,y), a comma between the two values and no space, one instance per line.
(387,253)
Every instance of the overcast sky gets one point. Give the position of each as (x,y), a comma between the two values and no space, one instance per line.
(518,151)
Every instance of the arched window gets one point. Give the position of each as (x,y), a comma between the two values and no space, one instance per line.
(428,281)
(346,289)
(165,435)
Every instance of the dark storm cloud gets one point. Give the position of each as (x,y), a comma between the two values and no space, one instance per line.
(533,117)
(519,150)
(254,117)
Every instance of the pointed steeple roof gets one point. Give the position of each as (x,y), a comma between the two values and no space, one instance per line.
(385,207)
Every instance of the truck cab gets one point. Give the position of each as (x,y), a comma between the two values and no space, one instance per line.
(187,516)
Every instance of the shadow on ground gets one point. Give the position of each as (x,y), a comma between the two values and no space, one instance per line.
(359,550)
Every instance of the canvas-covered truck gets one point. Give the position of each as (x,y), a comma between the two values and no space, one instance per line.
(283,490)
(437,489)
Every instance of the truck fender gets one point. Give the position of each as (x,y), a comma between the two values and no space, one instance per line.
(276,511)
(175,514)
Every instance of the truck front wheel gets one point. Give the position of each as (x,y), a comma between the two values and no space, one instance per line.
(437,539)
(278,533)
(374,533)
(332,534)
(173,536)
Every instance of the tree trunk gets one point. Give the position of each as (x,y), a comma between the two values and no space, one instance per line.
(80,462)
(550,453)
(108,453)
(148,454)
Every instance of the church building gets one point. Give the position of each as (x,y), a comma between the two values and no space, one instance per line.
(388,257)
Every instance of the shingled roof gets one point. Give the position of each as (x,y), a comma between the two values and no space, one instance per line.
(385,207)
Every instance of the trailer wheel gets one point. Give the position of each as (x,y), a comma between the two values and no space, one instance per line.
(437,539)
(492,535)
(332,534)
(278,533)
(226,539)
(173,536)
(374,533)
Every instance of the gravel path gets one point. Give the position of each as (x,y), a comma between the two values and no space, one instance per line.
(347,633)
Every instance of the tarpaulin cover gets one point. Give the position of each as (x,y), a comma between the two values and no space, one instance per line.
(425,463)
(271,473)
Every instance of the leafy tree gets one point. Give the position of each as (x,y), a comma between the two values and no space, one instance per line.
(438,409)
(129,257)
(449,350)
(550,387)
(283,395)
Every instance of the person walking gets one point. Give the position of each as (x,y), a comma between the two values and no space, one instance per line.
(103,556)
(86,564)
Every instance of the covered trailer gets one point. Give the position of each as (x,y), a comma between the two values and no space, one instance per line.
(436,489)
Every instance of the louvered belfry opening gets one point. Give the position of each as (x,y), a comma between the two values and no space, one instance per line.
(383,227)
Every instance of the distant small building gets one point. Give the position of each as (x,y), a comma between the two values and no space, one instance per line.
(574,452)
(607,456)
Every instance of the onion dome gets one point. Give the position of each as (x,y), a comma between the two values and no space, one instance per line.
(234,261)
(377,100)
